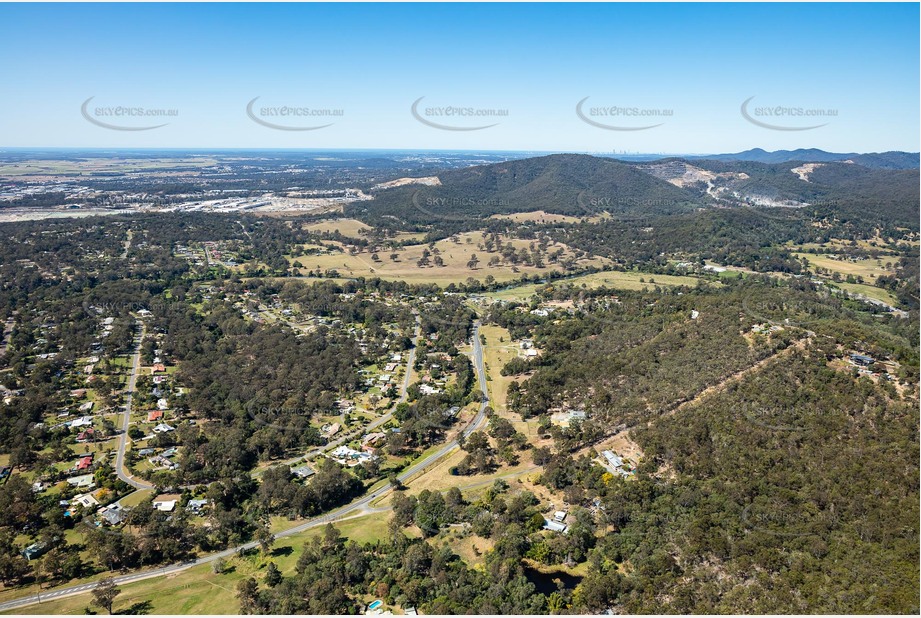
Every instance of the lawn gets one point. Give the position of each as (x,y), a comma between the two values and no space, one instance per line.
(199,590)
(135,498)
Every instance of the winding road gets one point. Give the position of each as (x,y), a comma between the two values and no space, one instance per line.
(355,508)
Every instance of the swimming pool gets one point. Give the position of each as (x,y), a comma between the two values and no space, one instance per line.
(375,604)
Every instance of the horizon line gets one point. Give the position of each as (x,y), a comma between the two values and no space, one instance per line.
(429,150)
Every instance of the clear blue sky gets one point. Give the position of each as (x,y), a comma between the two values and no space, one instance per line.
(372,61)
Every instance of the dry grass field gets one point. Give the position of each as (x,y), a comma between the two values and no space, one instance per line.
(538,216)
(456,256)
(869,269)
(615,280)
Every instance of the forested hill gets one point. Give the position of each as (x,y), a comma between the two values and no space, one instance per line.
(837,190)
(570,184)
(586,186)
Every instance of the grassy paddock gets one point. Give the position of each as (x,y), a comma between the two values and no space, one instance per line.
(616,280)
(456,257)
(199,590)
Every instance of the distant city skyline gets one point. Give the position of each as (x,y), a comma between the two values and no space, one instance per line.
(600,78)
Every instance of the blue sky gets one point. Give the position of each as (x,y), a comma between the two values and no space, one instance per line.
(692,64)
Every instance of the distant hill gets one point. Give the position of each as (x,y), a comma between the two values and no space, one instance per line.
(844,191)
(582,185)
(895,160)
(569,184)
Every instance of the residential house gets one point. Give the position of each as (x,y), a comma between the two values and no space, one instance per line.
(87,501)
(555,526)
(113,515)
(84,463)
(303,472)
(84,481)
(86,436)
(35,550)
(166,502)
(196,506)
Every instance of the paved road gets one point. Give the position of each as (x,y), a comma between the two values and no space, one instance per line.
(120,469)
(353,509)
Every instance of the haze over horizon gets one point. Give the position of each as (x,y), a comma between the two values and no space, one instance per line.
(688,69)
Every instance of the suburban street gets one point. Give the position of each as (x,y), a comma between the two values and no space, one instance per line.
(120,468)
(355,508)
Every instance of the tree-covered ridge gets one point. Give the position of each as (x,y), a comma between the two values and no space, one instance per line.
(794,490)
(576,185)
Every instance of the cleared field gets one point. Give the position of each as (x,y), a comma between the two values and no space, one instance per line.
(456,256)
(200,591)
(876,244)
(616,280)
(90,166)
(869,269)
(353,228)
(870,292)
(498,351)
(537,216)
(439,478)
(346,227)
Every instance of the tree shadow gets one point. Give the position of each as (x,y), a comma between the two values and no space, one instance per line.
(140,608)
(287,550)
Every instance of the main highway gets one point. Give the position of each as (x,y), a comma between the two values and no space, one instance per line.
(355,508)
